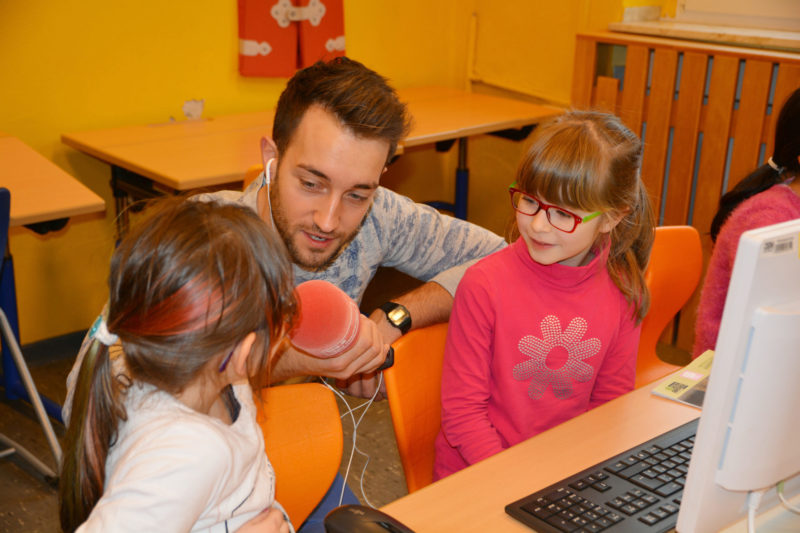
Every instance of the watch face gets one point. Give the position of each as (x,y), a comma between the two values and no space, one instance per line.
(397,315)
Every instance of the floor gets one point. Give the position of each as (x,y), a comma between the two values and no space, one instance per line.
(29,504)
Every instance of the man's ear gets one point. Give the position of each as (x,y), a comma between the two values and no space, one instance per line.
(269,149)
(241,354)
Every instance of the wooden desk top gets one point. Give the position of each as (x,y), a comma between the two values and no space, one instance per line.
(475,498)
(187,154)
(40,190)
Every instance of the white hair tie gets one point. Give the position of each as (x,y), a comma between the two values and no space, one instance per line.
(775,166)
(100,332)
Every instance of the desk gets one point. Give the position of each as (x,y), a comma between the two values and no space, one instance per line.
(216,152)
(41,191)
(42,197)
(474,499)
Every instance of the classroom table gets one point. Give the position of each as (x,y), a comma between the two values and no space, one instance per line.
(42,198)
(148,160)
(474,499)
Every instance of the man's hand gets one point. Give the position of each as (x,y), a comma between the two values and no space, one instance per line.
(365,356)
(363,385)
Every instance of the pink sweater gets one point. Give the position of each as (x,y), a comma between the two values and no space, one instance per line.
(529,346)
(777,204)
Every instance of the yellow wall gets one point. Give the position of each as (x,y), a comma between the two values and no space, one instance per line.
(71,66)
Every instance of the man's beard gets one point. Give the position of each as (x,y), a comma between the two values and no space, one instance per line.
(285,231)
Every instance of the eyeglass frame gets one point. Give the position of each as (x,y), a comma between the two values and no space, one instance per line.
(578,219)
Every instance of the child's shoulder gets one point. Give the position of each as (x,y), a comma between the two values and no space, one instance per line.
(159,416)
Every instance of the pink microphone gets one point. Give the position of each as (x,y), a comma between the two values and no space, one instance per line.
(329,321)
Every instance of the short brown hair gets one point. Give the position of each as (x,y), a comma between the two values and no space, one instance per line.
(360,98)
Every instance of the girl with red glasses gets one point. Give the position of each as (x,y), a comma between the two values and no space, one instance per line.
(548,327)
(162,434)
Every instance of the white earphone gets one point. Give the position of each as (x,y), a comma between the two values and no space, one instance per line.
(267,171)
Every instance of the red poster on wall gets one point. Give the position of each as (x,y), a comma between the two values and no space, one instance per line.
(276,37)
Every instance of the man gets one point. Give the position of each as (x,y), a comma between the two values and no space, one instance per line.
(336,127)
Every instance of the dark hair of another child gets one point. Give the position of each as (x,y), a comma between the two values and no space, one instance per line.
(784,156)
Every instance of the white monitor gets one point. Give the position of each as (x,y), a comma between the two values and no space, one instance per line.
(749,432)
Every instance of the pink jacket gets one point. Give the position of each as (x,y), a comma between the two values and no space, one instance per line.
(529,346)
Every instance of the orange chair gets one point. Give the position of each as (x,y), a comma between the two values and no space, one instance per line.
(676,264)
(303,439)
(251,174)
(413,386)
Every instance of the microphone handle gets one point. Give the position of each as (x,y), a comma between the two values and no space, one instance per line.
(389,361)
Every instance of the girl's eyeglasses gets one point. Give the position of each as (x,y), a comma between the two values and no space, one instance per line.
(559,218)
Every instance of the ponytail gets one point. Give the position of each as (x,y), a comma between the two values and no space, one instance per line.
(96,411)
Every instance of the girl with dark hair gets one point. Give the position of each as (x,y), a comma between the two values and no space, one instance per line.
(548,327)
(162,434)
(769,195)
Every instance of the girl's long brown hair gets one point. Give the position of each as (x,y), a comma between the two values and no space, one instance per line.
(186,285)
(590,161)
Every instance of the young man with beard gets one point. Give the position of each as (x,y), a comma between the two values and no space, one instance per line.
(337,125)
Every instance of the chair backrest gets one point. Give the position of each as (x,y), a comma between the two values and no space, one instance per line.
(303,440)
(676,264)
(251,174)
(413,386)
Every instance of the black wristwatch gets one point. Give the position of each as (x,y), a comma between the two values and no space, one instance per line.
(397,315)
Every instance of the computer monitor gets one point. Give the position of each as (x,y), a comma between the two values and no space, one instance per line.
(749,432)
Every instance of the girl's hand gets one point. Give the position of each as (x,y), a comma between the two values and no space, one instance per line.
(267,521)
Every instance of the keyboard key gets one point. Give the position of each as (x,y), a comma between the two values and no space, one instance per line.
(629,509)
(646,482)
(537,510)
(667,489)
(604,523)
(557,495)
(592,528)
(649,498)
(660,513)
(671,509)
(579,485)
(601,486)
(614,517)
(600,475)
(616,503)
(640,504)
(633,470)
(616,467)
(648,519)
(561,524)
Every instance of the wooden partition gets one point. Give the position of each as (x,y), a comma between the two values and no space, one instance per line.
(706,114)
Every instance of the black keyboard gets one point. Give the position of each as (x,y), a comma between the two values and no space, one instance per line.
(639,490)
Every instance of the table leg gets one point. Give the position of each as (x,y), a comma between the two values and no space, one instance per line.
(462,181)
(459,206)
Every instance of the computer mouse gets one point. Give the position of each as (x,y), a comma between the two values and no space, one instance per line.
(362,519)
